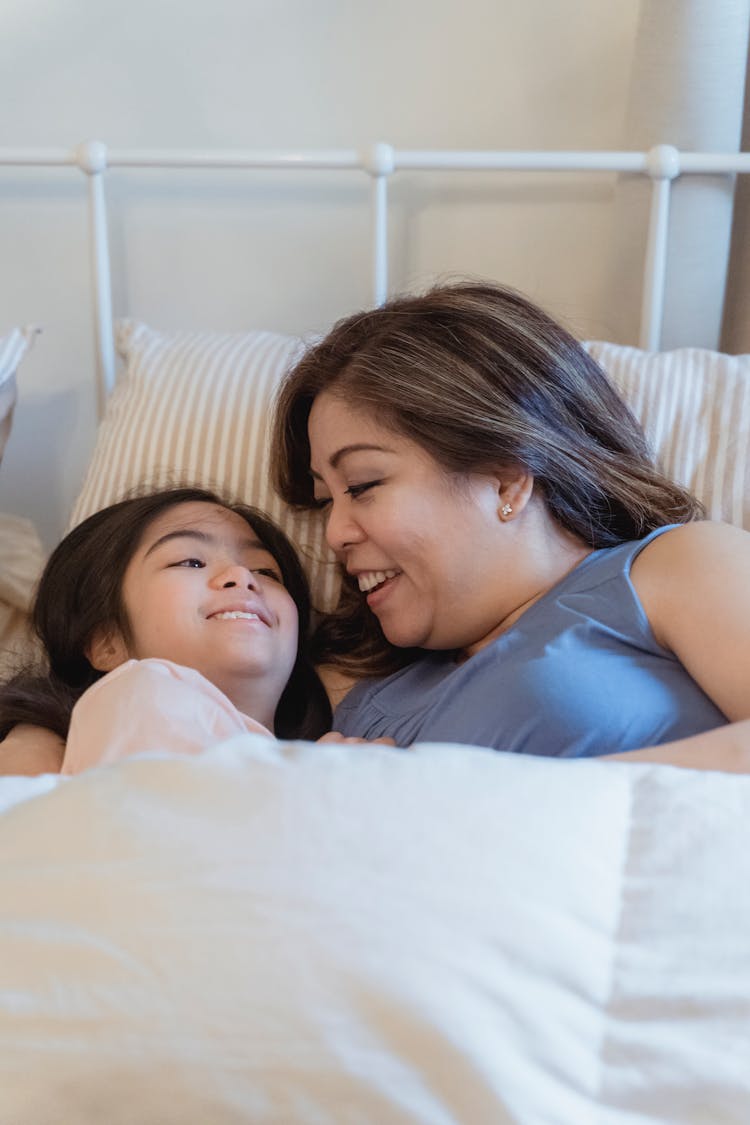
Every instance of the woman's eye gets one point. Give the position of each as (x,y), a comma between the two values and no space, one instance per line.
(196,563)
(320,503)
(355,490)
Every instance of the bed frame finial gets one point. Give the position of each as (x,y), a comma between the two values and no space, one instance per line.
(91,157)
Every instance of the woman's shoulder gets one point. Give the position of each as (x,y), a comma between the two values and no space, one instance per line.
(694,573)
(686,545)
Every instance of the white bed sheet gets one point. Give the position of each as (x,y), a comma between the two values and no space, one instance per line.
(279,932)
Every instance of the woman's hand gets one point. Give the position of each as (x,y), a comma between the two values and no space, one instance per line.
(28,751)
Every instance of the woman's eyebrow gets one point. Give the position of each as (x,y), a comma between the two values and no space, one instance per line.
(200,537)
(358,447)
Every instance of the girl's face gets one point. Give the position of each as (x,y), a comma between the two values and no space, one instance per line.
(202,590)
(425,546)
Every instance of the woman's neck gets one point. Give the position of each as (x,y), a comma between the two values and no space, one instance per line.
(541,555)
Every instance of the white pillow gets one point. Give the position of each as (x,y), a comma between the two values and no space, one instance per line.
(694,405)
(194,407)
(13,347)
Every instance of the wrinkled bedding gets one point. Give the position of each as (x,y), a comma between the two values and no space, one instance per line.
(314,933)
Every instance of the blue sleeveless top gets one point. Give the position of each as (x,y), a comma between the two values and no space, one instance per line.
(577,675)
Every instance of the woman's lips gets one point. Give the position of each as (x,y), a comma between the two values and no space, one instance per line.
(369,579)
(378,593)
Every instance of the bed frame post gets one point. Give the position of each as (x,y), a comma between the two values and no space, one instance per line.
(91,158)
(663,166)
(379,162)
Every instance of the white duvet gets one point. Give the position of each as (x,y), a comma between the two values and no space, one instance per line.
(307,933)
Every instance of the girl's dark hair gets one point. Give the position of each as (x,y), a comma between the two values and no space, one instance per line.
(80,591)
(479,377)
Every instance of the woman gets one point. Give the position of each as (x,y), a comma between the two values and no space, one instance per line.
(514,560)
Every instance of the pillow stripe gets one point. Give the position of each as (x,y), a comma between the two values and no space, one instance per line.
(694,405)
(741,475)
(740,425)
(696,431)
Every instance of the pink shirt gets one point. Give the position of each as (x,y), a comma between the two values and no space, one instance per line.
(150,705)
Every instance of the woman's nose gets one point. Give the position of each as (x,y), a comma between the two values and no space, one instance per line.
(341,530)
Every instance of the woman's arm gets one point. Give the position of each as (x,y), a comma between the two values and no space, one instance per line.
(694,584)
(28,751)
(726,750)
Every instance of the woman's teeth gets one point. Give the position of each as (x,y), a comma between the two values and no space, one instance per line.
(372,578)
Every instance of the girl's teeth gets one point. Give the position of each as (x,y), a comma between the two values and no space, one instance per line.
(235,613)
(374,578)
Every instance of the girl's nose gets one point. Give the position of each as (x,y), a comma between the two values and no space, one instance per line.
(237,575)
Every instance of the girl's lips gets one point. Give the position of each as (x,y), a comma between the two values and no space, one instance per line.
(249,612)
(244,618)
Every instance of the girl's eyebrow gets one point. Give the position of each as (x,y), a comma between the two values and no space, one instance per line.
(201,537)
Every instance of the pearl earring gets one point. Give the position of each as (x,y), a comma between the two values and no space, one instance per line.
(506,510)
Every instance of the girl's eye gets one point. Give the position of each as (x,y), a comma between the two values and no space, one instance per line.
(196,563)
(269,572)
(320,503)
(356,490)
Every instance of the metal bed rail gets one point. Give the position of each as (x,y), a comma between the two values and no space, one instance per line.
(661,164)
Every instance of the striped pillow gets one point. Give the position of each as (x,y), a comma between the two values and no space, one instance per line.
(695,408)
(193,407)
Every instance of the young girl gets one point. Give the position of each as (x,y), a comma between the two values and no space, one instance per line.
(169,620)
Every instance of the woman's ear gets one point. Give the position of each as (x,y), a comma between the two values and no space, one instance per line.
(106,649)
(514,489)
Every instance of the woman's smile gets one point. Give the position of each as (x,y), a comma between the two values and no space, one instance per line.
(377,594)
(370,579)
(400,524)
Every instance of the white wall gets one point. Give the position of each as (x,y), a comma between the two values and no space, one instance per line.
(272,251)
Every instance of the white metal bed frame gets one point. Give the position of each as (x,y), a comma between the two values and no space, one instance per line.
(662,164)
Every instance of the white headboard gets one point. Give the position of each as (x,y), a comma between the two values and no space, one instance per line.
(282,240)
(662,164)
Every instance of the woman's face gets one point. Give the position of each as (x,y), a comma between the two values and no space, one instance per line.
(202,590)
(424,545)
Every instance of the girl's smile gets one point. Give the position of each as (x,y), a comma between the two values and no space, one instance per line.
(203,591)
